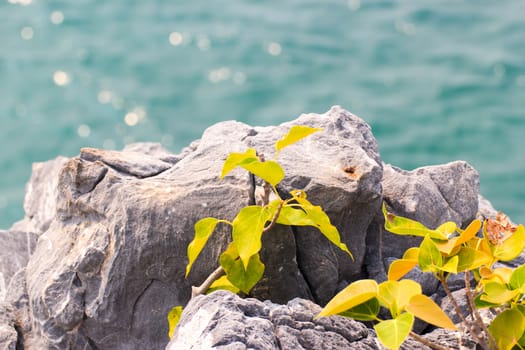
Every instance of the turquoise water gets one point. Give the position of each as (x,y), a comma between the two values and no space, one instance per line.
(438,81)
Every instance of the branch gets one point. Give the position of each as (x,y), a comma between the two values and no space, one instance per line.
(469,325)
(195,291)
(427,342)
(274,218)
(475,312)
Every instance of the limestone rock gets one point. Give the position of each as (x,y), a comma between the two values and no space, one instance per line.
(14,255)
(431,195)
(41,196)
(111,265)
(222,320)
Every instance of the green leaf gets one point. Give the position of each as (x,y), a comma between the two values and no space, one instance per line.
(270,171)
(247,231)
(222,283)
(498,293)
(296,133)
(203,230)
(511,247)
(429,258)
(366,311)
(404,226)
(481,304)
(517,279)
(470,259)
(392,333)
(173,319)
(354,294)
(450,265)
(320,220)
(234,159)
(294,217)
(241,277)
(507,328)
(426,309)
(395,295)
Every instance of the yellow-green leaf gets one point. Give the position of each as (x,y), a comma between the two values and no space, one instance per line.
(296,133)
(517,279)
(270,171)
(470,232)
(470,259)
(354,294)
(247,231)
(243,278)
(450,264)
(411,253)
(366,311)
(497,293)
(429,258)
(507,328)
(222,283)
(203,230)
(426,309)
(511,247)
(234,159)
(395,295)
(400,267)
(392,333)
(405,226)
(294,217)
(173,319)
(320,220)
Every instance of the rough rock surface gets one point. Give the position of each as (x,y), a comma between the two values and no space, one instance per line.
(222,320)
(431,195)
(113,227)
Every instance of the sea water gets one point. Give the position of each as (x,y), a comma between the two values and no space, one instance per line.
(437,80)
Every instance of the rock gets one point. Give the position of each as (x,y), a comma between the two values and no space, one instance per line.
(14,255)
(431,195)
(222,320)
(8,334)
(40,199)
(113,229)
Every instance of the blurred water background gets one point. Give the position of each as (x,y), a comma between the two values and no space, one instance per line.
(437,80)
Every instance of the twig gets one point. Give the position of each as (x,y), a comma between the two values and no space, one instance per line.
(274,218)
(475,312)
(472,329)
(427,342)
(207,283)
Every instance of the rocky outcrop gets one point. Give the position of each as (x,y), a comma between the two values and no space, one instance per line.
(113,226)
(222,320)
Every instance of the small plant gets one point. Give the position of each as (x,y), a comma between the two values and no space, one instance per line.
(240,266)
(444,251)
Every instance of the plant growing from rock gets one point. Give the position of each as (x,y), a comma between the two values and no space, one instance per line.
(444,251)
(240,266)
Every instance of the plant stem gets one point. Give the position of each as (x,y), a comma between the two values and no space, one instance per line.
(274,218)
(427,342)
(195,291)
(475,312)
(472,329)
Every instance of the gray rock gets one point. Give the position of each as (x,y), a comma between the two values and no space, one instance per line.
(111,264)
(40,198)
(222,320)
(8,334)
(16,248)
(431,195)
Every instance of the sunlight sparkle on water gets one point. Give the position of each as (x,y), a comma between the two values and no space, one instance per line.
(175,38)
(56,17)
(83,130)
(27,33)
(354,5)
(61,78)
(218,75)
(203,43)
(20,2)
(274,49)
(104,96)
(131,119)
